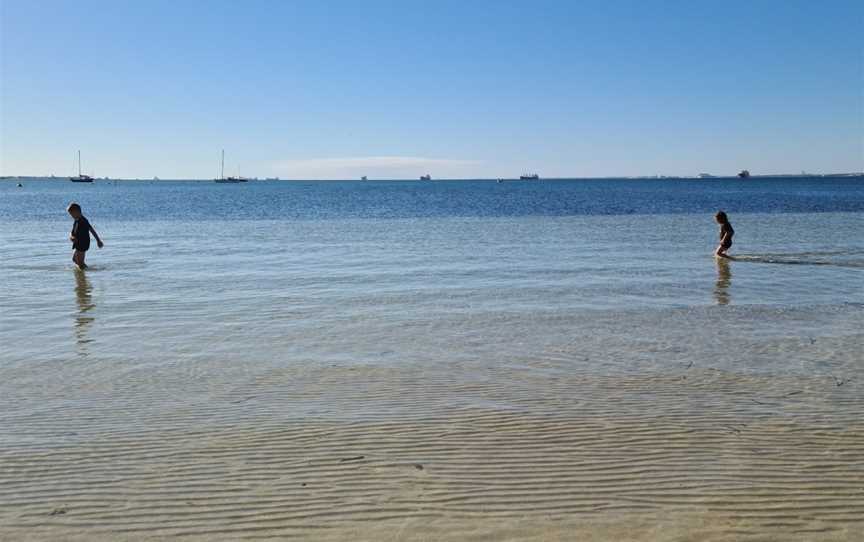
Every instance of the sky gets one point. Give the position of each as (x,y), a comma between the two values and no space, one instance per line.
(456,89)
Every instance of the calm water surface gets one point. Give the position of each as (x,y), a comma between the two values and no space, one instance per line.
(203,289)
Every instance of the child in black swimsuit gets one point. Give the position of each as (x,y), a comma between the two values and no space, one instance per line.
(726,233)
(80,236)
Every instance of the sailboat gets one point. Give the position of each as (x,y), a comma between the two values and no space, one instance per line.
(81,178)
(223,179)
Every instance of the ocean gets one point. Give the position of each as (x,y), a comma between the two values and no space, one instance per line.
(228,314)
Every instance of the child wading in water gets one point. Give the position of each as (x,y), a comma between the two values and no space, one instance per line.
(726,233)
(80,236)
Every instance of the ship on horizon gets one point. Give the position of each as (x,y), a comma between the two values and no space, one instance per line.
(228,180)
(81,178)
(529,177)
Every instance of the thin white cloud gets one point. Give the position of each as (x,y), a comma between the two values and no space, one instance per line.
(394,167)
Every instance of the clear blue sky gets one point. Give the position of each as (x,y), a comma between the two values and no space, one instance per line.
(313,89)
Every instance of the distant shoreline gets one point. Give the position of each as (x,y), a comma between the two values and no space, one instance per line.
(492,179)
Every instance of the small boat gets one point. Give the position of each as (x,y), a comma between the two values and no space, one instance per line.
(744,174)
(529,177)
(228,180)
(426,177)
(81,178)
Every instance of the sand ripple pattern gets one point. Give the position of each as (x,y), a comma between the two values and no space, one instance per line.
(621,426)
(620,454)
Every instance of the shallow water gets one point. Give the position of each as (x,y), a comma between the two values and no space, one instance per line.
(246,309)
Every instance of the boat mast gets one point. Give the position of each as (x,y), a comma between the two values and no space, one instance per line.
(79,162)
(222,172)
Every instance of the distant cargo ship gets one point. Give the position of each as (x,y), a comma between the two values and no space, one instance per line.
(425,177)
(744,174)
(529,177)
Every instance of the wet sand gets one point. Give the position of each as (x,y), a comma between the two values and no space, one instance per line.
(619,458)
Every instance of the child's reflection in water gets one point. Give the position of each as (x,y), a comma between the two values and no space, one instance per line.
(84,299)
(724,280)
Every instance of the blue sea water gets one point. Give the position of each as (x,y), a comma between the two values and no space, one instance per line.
(427,274)
(350,271)
(284,200)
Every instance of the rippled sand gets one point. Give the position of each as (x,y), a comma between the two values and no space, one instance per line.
(611,458)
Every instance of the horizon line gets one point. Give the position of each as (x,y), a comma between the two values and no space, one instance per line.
(403,179)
